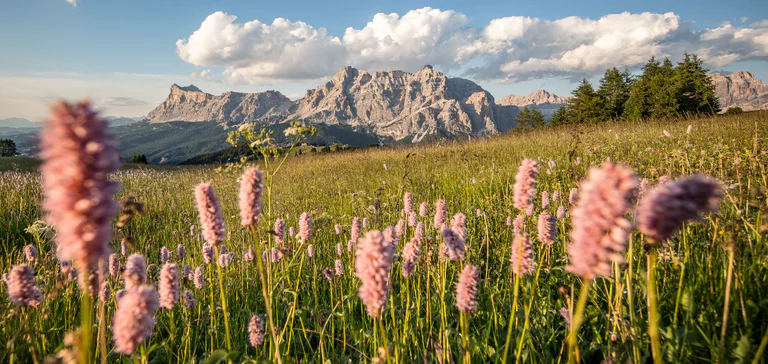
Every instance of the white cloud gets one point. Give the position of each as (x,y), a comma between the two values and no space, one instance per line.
(72,2)
(514,48)
(762,23)
(261,53)
(422,36)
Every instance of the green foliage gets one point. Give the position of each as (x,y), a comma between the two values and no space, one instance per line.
(734,111)
(7,148)
(614,92)
(139,159)
(530,117)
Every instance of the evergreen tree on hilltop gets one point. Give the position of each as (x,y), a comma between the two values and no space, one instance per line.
(638,103)
(7,148)
(663,92)
(585,106)
(614,91)
(695,92)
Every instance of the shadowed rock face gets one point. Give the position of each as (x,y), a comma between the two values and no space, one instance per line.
(191,104)
(740,89)
(402,105)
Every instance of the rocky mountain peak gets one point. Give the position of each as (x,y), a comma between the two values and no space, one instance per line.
(740,89)
(191,104)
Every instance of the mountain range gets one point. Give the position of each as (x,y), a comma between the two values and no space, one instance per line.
(354,107)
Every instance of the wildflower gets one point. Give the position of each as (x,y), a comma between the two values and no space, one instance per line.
(189,299)
(424,209)
(224,260)
(518,224)
(573,197)
(279,229)
(114,265)
(250,197)
(328,273)
(390,236)
(689,130)
(546,228)
(30,253)
(466,289)
(508,222)
(210,214)
(668,206)
(22,287)
(276,254)
(413,219)
(291,232)
(454,244)
(643,187)
(600,230)
(459,225)
(181,251)
(354,231)
(135,271)
(133,322)
(337,229)
(419,233)
(199,279)
(522,257)
(667,134)
(310,250)
(411,254)
(365,223)
(544,200)
(372,266)
(208,253)
(555,196)
(104,292)
(305,227)
(440,213)
(525,184)
(339,267)
(169,286)
(187,272)
(165,254)
(256,331)
(124,246)
(407,202)
(560,212)
(79,155)
(478,212)
(399,230)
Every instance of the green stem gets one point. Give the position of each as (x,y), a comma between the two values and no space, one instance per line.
(578,317)
(267,300)
(223,302)
(726,305)
(653,310)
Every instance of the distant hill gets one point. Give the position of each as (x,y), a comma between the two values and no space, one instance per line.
(740,89)
(19,123)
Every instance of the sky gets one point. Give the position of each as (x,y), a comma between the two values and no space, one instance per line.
(125,55)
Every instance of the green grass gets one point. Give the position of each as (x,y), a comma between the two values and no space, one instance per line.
(323,321)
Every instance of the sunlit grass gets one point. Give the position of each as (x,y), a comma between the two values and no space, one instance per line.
(319,320)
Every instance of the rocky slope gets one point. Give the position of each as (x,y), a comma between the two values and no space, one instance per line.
(546,102)
(191,104)
(404,106)
(740,89)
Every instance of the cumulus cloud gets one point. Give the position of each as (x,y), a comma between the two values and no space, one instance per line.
(423,36)
(204,75)
(73,3)
(510,48)
(256,52)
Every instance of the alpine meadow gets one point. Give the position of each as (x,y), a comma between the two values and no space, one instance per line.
(224,182)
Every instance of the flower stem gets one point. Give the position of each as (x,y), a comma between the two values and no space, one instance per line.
(578,317)
(223,302)
(653,310)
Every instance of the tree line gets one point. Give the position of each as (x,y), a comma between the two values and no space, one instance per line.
(662,90)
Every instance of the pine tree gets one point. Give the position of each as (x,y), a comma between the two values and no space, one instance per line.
(530,117)
(663,95)
(585,106)
(638,105)
(614,91)
(7,148)
(695,92)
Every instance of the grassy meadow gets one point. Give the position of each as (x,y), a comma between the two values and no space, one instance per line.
(712,276)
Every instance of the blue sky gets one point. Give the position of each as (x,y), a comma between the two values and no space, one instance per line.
(124,54)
